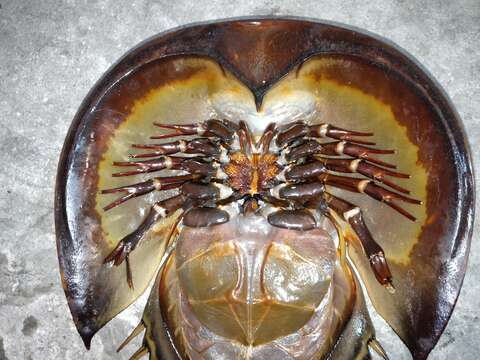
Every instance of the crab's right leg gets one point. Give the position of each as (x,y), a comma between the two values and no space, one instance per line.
(223,130)
(313,196)
(161,209)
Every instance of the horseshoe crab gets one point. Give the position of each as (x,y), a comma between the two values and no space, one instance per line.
(292,160)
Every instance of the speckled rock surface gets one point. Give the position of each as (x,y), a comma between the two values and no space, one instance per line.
(51,54)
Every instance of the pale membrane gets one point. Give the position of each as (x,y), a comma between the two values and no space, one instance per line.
(246,289)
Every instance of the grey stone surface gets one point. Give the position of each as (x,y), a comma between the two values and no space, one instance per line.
(51,54)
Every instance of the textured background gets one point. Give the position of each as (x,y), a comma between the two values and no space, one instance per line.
(51,54)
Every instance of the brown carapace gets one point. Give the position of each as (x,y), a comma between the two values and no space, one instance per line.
(282,176)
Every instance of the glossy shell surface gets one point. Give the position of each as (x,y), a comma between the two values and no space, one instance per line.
(264,70)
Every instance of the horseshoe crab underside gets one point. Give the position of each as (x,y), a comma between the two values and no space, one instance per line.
(246,289)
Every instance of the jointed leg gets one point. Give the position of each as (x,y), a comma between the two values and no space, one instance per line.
(195,146)
(145,187)
(316,168)
(371,171)
(194,165)
(338,148)
(373,190)
(223,130)
(301,130)
(160,210)
(192,193)
(311,147)
(353,215)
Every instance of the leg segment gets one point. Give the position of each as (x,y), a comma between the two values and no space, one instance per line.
(209,216)
(368,187)
(205,192)
(313,147)
(301,129)
(192,165)
(196,146)
(369,170)
(223,130)
(353,215)
(317,168)
(304,149)
(357,151)
(147,166)
(159,210)
(142,188)
(309,170)
(294,195)
(298,193)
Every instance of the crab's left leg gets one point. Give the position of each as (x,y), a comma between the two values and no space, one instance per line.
(125,246)
(353,215)
(371,189)
(311,147)
(312,195)
(301,130)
